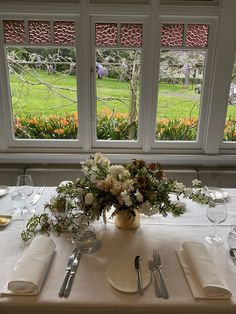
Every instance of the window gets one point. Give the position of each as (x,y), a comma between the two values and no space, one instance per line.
(181,80)
(118,63)
(42,77)
(140,78)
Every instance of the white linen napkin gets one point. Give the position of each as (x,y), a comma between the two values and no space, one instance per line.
(31,269)
(202,274)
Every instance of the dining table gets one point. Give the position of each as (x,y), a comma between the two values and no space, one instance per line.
(91,292)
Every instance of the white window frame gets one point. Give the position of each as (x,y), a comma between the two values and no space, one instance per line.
(211,151)
(205,97)
(141,116)
(12,142)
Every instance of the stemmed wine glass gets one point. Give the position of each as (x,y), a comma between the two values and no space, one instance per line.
(25,187)
(216,215)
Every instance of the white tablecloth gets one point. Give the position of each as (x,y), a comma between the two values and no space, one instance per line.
(91,292)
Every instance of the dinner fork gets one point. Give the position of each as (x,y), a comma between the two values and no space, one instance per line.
(152,269)
(158,265)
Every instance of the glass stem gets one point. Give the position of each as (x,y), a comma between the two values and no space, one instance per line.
(214,234)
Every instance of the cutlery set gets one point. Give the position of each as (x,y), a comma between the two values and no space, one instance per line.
(72,265)
(37,196)
(154,265)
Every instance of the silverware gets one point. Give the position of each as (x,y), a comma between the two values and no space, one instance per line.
(139,278)
(68,269)
(72,274)
(157,263)
(37,195)
(152,269)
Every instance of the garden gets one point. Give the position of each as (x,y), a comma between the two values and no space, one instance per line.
(44,102)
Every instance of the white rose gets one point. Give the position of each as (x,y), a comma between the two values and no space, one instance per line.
(89,199)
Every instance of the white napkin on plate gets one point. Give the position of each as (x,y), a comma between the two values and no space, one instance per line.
(203,276)
(30,271)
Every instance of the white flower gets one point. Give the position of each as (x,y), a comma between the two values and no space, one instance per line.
(89,199)
(139,196)
(116,170)
(126,197)
(179,186)
(187,191)
(196,183)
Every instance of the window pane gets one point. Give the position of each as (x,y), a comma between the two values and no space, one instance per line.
(230,124)
(39,32)
(14,31)
(43,92)
(197,35)
(131,35)
(172,35)
(106,34)
(117,89)
(64,33)
(179,95)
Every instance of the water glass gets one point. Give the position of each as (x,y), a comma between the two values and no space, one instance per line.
(25,187)
(19,204)
(216,215)
(86,240)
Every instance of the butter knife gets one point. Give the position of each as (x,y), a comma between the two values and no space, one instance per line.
(37,195)
(68,269)
(72,274)
(139,277)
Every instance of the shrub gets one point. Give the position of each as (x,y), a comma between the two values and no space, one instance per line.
(110,126)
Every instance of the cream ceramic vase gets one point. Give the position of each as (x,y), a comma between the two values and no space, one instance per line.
(123,220)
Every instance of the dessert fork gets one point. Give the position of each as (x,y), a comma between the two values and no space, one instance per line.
(158,265)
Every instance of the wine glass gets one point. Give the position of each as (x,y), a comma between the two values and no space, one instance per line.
(216,215)
(25,187)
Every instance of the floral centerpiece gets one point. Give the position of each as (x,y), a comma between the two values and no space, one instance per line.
(131,189)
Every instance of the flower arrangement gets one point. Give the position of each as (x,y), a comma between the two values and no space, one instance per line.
(112,188)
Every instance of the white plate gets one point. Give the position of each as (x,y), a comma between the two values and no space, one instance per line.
(8,217)
(217,192)
(122,275)
(3,190)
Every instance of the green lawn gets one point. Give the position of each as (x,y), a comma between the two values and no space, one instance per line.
(175,101)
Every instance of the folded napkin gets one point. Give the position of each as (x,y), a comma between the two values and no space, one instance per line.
(30,271)
(203,276)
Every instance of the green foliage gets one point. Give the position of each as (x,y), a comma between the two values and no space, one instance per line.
(110,126)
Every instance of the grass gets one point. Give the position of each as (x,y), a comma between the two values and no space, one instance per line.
(175,101)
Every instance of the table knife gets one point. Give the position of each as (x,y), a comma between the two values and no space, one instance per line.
(68,269)
(72,274)
(37,195)
(138,270)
